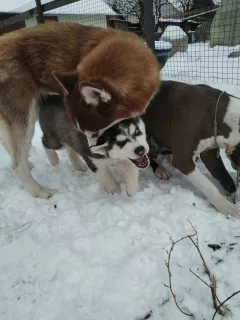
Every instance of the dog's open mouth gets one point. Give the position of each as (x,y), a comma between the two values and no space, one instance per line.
(141,162)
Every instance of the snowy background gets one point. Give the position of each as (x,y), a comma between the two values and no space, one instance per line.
(203,64)
(84,255)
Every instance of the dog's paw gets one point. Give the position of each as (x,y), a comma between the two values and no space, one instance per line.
(131,189)
(43,193)
(232,197)
(53,159)
(229,208)
(111,188)
(162,173)
(236,212)
(81,167)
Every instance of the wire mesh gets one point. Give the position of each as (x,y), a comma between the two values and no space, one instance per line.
(205,42)
(204,35)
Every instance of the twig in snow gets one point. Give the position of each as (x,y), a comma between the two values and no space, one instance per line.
(170,275)
(218,306)
(200,278)
(213,283)
(234,294)
(204,283)
(195,231)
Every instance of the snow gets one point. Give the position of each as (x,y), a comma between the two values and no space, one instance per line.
(79,7)
(84,7)
(173,33)
(85,255)
(202,63)
(169,20)
(159,45)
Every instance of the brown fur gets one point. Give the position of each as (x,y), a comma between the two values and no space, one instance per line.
(112,58)
(106,60)
(181,119)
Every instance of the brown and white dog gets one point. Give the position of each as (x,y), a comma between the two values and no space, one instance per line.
(181,118)
(99,70)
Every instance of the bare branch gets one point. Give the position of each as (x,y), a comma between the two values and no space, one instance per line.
(186,5)
(200,278)
(158,12)
(218,306)
(217,311)
(213,283)
(194,229)
(203,282)
(170,276)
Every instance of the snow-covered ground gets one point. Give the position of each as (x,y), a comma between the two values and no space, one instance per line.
(84,255)
(206,65)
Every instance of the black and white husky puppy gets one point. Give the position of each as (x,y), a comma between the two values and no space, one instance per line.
(124,145)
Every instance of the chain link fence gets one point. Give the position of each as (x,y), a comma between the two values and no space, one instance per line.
(206,43)
(194,39)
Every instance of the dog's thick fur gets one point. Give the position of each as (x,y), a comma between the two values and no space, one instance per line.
(180,118)
(99,70)
(123,145)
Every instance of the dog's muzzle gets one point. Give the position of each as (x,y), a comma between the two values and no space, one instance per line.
(142,162)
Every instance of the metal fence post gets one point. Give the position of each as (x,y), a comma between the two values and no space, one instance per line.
(40,17)
(149,23)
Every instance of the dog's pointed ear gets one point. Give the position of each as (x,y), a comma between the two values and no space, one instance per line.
(100,149)
(67,80)
(92,95)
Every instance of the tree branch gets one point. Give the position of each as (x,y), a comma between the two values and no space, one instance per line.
(218,306)
(170,275)
(203,282)
(200,278)
(213,283)
(217,311)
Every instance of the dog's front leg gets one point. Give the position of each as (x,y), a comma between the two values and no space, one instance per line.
(201,182)
(18,141)
(105,177)
(75,160)
(159,170)
(107,181)
(130,173)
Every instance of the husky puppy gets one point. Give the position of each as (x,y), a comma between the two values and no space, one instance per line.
(124,144)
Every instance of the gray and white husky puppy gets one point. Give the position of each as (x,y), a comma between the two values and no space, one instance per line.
(124,145)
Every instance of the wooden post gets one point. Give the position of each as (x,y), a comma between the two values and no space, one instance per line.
(40,17)
(149,23)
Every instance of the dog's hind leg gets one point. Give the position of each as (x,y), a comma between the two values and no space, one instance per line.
(216,167)
(51,143)
(187,166)
(75,160)
(52,156)
(17,140)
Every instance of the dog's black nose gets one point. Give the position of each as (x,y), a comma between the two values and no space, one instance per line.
(139,151)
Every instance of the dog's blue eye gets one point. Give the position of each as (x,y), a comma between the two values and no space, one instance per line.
(137,132)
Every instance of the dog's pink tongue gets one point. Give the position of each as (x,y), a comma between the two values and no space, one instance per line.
(141,160)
